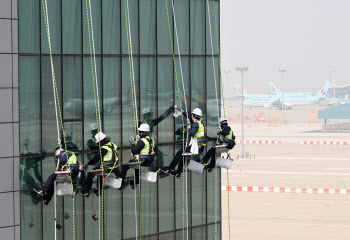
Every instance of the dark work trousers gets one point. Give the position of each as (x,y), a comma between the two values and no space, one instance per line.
(211,155)
(178,159)
(49,186)
(125,168)
(90,179)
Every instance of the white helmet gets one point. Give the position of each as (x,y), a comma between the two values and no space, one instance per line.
(58,151)
(100,136)
(222,119)
(93,126)
(144,127)
(146,110)
(197,112)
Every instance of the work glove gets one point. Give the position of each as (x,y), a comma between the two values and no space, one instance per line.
(177,111)
(188,126)
(218,133)
(132,141)
(138,138)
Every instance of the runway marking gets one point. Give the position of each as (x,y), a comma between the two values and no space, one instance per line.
(290,173)
(323,143)
(259,142)
(286,190)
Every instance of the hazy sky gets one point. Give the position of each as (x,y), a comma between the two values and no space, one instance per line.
(309,38)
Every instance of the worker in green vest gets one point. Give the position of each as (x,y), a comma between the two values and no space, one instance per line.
(196,130)
(66,161)
(226,137)
(143,150)
(109,155)
(147,117)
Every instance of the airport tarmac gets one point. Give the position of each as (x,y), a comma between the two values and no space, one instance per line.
(275,215)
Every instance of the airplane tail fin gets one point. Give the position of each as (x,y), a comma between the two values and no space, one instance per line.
(239,90)
(274,89)
(324,90)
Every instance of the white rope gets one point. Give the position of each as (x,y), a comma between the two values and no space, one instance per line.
(55,201)
(212,56)
(52,75)
(94,54)
(132,60)
(217,102)
(183,89)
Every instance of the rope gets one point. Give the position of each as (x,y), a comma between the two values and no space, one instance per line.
(223,103)
(182,118)
(134,106)
(57,104)
(97,108)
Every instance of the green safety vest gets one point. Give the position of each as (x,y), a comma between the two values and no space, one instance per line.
(228,137)
(108,157)
(200,133)
(148,149)
(72,159)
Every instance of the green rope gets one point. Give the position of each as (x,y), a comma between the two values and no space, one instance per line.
(223,102)
(133,107)
(58,106)
(66,62)
(97,116)
(182,118)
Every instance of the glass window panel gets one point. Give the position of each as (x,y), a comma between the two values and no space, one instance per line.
(29,100)
(199,233)
(213,193)
(73,136)
(149,207)
(163,38)
(148,27)
(198,12)
(180,197)
(49,127)
(68,217)
(112,98)
(31,223)
(198,199)
(90,99)
(95,28)
(167,236)
(134,26)
(28,26)
(212,95)
(71,30)
(127,107)
(148,95)
(186,77)
(166,190)
(111,26)
(198,94)
(211,231)
(165,99)
(113,213)
(30,174)
(213,27)
(72,87)
(182,9)
(54,15)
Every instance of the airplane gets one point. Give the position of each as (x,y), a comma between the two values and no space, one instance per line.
(274,90)
(109,104)
(275,101)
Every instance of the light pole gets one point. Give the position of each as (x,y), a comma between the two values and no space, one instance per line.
(227,72)
(282,71)
(242,69)
(333,83)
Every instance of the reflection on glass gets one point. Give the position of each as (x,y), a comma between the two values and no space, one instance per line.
(31,223)
(54,15)
(71,30)
(111,26)
(96,25)
(197,18)
(148,26)
(163,38)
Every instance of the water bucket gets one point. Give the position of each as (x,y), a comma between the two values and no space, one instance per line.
(113,182)
(223,162)
(196,167)
(64,189)
(149,176)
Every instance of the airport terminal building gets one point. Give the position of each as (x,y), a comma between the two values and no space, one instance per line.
(28,120)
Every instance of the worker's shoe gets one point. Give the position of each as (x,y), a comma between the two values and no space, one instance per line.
(178,175)
(132,184)
(165,171)
(87,194)
(95,190)
(38,191)
(46,202)
(210,169)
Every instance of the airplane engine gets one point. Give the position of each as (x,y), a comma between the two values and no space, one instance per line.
(268,105)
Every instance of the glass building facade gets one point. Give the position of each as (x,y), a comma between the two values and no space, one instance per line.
(156,93)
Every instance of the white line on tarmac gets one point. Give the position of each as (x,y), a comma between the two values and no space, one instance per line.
(290,173)
(306,158)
